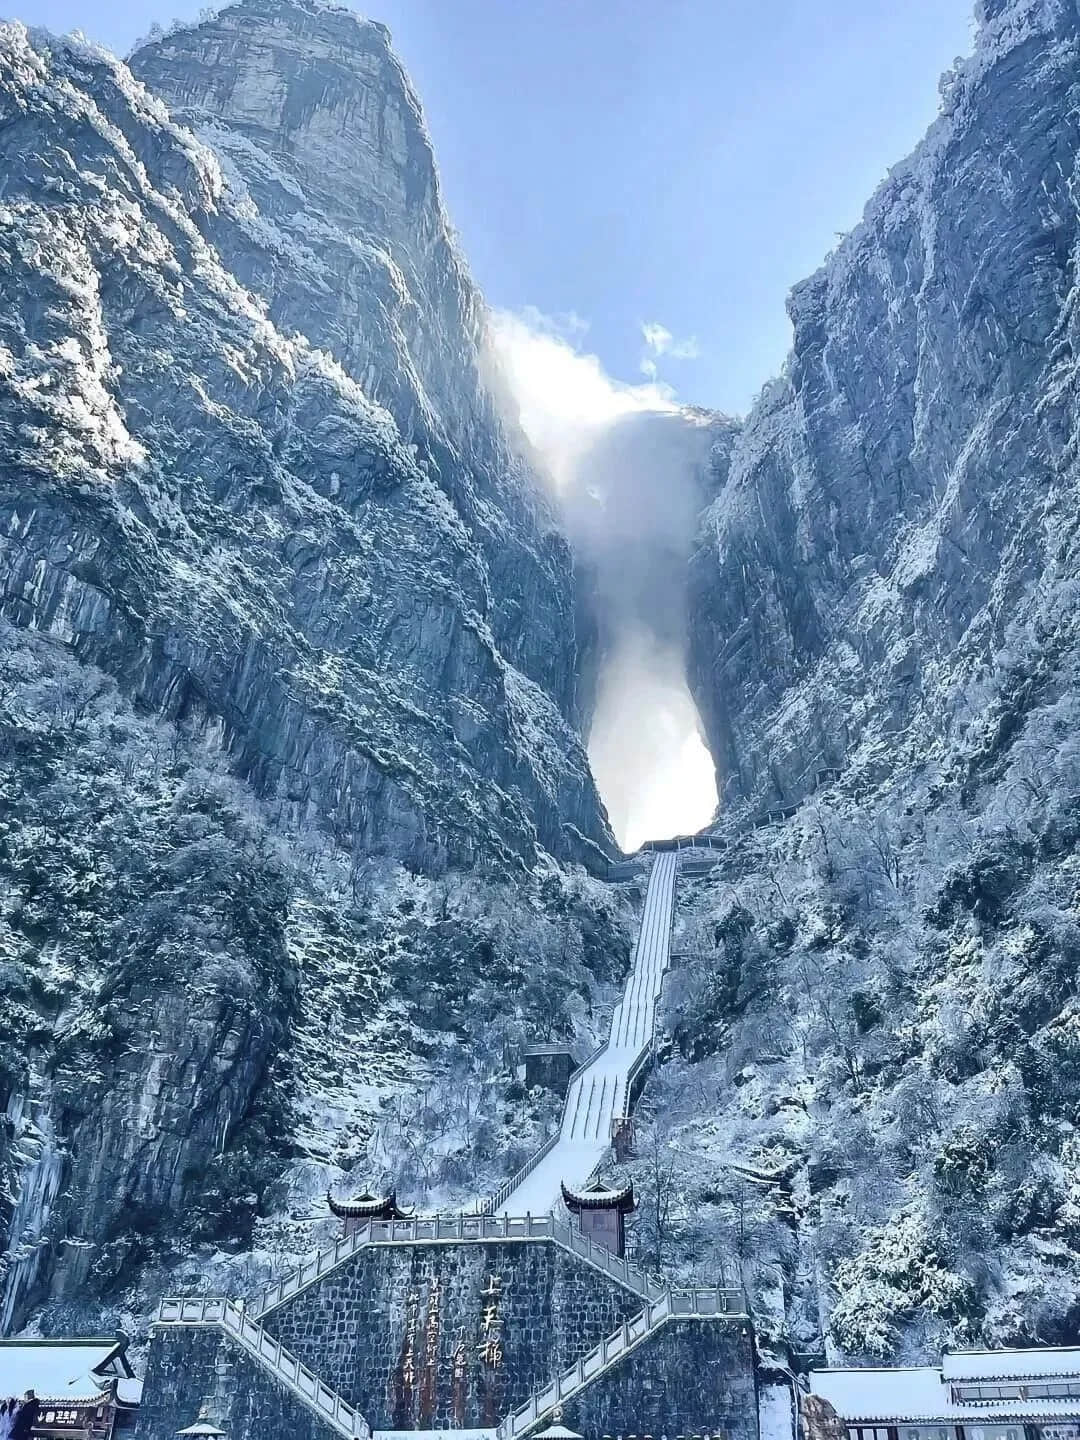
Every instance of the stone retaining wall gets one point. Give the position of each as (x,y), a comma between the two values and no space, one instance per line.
(452,1334)
(690,1377)
(190,1367)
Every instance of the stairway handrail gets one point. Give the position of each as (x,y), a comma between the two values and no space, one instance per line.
(419,1230)
(492,1203)
(233,1319)
(293,1281)
(700,1302)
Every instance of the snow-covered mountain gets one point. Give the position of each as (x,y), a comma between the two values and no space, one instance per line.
(251,466)
(295,660)
(285,611)
(875,1079)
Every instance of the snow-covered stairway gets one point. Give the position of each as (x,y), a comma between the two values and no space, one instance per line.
(600,1091)
(672,1305)
(231,1318)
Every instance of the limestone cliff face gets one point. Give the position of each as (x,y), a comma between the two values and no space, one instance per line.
(251,469)
(907,490)
(281,612)
(881,1012)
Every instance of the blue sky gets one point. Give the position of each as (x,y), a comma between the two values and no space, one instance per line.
(679,163)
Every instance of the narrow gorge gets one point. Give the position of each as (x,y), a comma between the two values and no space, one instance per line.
(304,654)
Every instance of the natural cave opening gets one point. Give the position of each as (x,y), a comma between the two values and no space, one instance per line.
(631,473)
(646,748)
(631,512)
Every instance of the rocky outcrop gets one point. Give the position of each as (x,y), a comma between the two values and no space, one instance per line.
(251,469)
(286,629)
(206,1020)
(880,1001)
(907,490)
(147,988)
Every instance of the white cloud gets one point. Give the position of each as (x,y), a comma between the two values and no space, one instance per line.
(659,341)
(564,395)
(628,495)
(657,337)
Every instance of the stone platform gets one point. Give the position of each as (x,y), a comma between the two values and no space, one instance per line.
(457,1335)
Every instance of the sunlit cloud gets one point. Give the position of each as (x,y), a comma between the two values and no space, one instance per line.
(660,342)
(626,462)
(564,396)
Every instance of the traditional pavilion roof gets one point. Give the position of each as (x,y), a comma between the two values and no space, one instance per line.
(367,1206)
(599,1196)
(64,1371)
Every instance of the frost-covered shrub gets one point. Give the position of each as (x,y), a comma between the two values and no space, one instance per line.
(962,1163)
(983,885)
(898,1273)
(1049,1064)
(716,983)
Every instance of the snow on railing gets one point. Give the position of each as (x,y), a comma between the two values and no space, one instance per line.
(459,1229)
(307,1273)
(618,1267)
(685,842)
(232,1317)
(671,1305)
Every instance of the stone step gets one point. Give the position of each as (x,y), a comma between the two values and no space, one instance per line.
(711,1304)
(600,1091)
(234,1320)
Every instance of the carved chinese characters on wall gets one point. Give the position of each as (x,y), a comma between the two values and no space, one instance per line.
(429,1385)
(440,1376)
(404,1387)
(491,1349)
(459,1378)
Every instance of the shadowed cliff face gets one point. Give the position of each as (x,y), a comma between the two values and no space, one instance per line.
(907,490)
(274,499)
(280,609)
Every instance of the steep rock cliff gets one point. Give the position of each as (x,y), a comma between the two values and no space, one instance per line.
(906,490)
(872,1103)
(252,470)
(287,629)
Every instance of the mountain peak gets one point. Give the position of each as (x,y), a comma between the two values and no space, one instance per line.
(318,87)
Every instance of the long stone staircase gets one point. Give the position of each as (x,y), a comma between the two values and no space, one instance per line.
(599,1093)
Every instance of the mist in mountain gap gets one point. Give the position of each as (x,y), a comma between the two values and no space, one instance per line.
(628,467)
